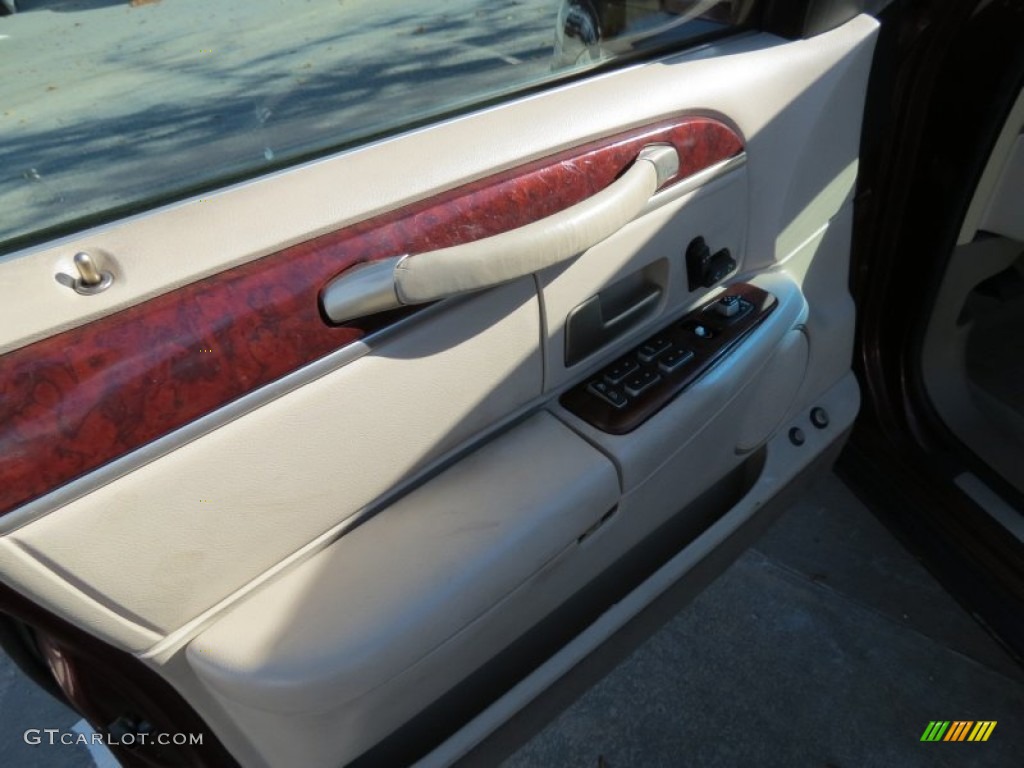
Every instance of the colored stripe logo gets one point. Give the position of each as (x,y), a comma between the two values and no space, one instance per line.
(958,730)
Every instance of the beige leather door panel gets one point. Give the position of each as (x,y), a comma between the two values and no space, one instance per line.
(425,591)
(300,468)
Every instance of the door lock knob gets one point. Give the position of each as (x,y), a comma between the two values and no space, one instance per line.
(91,279)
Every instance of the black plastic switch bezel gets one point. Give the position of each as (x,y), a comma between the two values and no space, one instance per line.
(726,333)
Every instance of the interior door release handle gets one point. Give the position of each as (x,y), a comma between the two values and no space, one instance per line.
(608,315)
(424,277)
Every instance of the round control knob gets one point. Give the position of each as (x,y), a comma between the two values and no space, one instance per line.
(819,417)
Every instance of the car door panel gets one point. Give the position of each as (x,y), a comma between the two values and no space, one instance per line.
(218,500)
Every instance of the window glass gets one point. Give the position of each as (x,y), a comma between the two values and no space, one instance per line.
(110,106)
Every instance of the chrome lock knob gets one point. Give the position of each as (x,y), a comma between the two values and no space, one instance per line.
(91,279)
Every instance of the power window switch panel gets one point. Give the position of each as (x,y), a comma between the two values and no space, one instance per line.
(608,393)
(641,382)
(675,360)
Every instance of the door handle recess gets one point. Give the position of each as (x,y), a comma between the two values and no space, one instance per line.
(603,318)
(424,277)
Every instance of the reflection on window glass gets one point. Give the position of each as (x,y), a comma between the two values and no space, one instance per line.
(111,105)
(590,31)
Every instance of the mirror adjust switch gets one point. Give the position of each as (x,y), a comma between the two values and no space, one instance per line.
(675,360)
(617,373)
(641,382)
(608,393)
(729,306)
(649,351)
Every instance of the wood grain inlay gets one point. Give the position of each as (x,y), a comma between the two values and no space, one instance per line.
(75,401)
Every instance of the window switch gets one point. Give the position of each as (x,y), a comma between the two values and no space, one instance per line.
(608,393)
(641,381)
(675,360)
(617,373)
(649,351)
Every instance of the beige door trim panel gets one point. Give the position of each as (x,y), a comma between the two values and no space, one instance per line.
(384,596)
(189,529)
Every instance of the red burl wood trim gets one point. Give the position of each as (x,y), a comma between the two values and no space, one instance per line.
(77,400)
